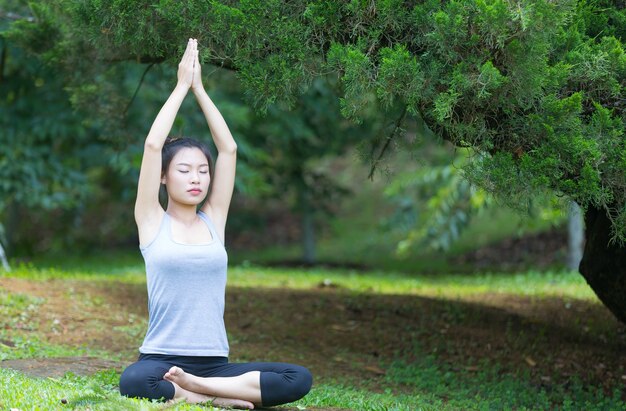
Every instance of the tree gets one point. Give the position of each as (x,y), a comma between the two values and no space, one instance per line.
(43,142)
(538,86)
(288,142)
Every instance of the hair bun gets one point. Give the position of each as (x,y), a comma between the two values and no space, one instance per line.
(171,139)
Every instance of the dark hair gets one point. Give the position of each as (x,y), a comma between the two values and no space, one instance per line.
(174,144)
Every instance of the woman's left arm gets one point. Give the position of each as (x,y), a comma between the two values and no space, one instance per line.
(224,174)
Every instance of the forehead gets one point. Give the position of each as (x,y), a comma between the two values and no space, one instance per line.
(189,155)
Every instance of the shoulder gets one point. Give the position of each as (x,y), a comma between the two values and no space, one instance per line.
(148,227)
(214,219)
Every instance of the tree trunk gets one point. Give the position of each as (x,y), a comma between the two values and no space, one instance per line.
(3,257)
(604,263)
(575,236)
(10,227)
(308,226)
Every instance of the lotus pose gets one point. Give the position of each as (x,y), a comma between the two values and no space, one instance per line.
(184,355)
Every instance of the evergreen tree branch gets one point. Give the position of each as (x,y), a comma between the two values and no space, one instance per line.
(3,58)
(138,87)
(396,130)
(9,15)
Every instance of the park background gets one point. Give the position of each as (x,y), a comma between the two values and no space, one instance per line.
(375,235)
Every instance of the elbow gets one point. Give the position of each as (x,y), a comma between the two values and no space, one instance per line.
(152,146)
(229,149)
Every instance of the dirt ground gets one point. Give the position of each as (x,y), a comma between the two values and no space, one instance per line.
(351,337)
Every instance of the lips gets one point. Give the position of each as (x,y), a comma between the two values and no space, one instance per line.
(194,191)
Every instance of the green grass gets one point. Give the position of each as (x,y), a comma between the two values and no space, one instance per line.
(487,389)
(425,383)
(530,283)
(128,267)
(435,387)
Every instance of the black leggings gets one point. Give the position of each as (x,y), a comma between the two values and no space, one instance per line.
(280,382)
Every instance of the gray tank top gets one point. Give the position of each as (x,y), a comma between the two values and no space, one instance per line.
(186,289)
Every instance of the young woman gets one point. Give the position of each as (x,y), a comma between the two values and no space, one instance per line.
(185,351)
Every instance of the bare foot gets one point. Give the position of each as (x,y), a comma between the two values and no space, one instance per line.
(184,380)
(192,384)
(195,398)
(232,403)
(191,398)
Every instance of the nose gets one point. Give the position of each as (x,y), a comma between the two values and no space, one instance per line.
(195,178)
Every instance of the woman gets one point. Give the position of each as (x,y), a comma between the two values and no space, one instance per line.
(184,355)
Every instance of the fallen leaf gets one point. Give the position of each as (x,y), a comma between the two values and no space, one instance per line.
(7,343)
(351,325)
(472,368)
(375,370)
(530,361)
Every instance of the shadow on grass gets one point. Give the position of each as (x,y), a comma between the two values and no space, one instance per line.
(377,342)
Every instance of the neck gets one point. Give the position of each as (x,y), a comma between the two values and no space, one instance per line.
(182,212)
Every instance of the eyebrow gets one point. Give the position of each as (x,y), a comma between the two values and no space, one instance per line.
(189,165)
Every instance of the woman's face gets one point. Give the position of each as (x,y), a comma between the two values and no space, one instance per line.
(187,178)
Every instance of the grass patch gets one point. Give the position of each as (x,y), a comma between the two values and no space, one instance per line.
(530,283)
(20,324)
(430,386)
(128,267)
(97,392)
(440,314)
(441,387)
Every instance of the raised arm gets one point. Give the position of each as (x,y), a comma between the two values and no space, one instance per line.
(148,211)
(225,164)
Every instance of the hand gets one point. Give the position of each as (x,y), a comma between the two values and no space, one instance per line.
(185,67)
(197,70)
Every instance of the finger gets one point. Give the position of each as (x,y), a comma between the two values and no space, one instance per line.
(188,59)
(197,60)
(186,53)
(189,48)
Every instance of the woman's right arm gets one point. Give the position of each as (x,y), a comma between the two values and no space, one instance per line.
(148,211)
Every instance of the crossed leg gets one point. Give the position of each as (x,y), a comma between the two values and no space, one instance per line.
(214,380)
(243,391)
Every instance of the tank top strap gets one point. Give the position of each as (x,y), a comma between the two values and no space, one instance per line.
(163,229)
(209,223)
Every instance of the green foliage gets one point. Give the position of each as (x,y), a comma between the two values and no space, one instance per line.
(435,204)
(528,83)
(40,161)
(288,142)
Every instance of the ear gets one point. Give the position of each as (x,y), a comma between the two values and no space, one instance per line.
(163,180)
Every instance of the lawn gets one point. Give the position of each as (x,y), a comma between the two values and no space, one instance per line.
(373,340)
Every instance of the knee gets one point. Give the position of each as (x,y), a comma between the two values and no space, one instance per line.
(138,381)
(132,383)
(302,382)
(290,384)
